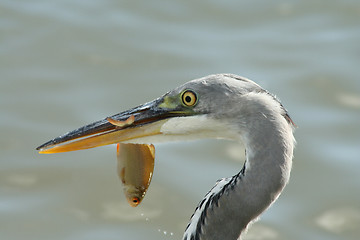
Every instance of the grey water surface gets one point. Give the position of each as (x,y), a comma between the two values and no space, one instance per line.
(64,64)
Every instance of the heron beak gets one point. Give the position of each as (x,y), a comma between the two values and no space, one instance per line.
(140,122)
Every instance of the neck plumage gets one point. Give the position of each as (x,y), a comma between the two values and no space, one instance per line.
(234,202)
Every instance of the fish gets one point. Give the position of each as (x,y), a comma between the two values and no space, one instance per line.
(135,167)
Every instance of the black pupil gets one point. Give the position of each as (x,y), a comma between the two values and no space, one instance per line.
(188,99)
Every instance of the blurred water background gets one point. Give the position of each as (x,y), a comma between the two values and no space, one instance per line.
(66,63)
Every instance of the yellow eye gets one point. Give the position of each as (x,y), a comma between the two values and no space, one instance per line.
(189,98)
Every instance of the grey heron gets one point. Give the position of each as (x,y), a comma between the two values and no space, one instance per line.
(223,106)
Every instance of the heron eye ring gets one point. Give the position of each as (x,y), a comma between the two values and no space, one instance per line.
(189,98)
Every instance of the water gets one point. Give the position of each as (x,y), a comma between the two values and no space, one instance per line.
(66,63)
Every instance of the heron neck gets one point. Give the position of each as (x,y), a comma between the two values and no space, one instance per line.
(267,169)
(234,202)
(269,153)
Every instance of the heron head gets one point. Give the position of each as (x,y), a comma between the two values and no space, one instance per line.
(200,108)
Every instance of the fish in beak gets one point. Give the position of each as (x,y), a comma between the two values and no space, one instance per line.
(140,124)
